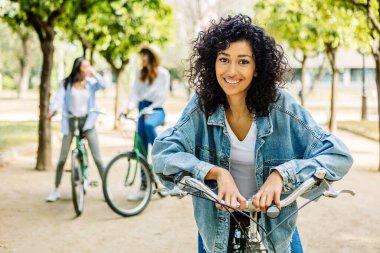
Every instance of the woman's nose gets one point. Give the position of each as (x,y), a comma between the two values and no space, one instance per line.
(231,71)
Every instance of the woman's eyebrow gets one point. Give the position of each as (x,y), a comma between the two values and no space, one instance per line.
(245,55)
(240,55)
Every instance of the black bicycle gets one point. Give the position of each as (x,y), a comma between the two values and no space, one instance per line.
(247,238)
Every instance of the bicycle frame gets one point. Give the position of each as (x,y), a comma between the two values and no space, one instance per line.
(81,149)
(186,185)
(139,150)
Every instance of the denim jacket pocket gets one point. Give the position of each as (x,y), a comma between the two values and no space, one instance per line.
(206,154)
(268,165)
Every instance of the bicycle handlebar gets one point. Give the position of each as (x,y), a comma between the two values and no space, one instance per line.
(273,211)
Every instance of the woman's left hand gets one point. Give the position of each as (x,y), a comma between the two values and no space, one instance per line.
(270,191)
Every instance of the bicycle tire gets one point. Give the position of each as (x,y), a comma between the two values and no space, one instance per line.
(77,187)
(122,177)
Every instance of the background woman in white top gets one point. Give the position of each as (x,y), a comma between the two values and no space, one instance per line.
(149,92)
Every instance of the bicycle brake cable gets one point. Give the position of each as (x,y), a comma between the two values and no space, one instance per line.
(290,215)
(226,207)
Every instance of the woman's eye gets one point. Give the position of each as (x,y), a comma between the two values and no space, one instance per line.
(244,62)
(223,59)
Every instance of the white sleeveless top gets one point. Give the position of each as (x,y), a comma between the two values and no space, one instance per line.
(242,161)
(79,102)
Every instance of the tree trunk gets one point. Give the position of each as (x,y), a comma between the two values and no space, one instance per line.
(364,115)
(44,126)
(321,71)
(117,73)
(303,79)
(92,51)
(331,53)
(376,56)
(84,47)
(23,84)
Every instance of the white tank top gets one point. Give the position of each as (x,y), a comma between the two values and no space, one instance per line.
(79,102)
(242,161)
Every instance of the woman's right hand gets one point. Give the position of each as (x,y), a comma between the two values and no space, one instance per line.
(228,190)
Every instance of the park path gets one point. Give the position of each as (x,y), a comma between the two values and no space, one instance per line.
(28,224)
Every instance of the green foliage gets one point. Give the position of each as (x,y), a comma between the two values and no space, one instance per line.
(338,26)
(42,8)
(8,83)
(367,31)
(291,22)
(309,25)
(116,28)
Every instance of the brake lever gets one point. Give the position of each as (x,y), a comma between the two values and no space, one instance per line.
(331,193)
(334,194)
(175,192)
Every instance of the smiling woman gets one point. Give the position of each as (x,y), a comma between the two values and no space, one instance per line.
(245,133)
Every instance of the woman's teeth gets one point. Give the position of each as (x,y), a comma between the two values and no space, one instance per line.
(232,81)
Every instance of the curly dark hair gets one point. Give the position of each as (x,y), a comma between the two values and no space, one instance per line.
(271,64)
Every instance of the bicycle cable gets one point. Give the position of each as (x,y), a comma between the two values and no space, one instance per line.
(235,209)
(293,213)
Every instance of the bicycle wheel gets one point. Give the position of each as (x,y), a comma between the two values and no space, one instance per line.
(77,181)
(123,180)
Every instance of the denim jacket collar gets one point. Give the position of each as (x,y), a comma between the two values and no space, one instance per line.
(263,124)
(217,117)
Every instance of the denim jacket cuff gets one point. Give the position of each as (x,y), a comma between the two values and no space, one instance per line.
(201,170)
(288,176)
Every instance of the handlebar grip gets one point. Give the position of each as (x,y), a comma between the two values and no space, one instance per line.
(273,211)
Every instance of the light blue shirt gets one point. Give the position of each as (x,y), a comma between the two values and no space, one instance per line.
(62,100)
(288,140)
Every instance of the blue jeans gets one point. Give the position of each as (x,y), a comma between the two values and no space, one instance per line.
(295,244)
(146,128)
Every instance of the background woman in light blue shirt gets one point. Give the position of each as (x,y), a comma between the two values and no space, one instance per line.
(76,97)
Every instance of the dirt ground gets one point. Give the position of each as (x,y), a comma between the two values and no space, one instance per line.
(29,224)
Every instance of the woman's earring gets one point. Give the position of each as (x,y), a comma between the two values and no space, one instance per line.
(255,74)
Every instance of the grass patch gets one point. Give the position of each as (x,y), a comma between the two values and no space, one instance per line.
(368,129)
(18,133)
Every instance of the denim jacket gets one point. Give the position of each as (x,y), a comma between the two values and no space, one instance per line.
(62,100)
(288,140)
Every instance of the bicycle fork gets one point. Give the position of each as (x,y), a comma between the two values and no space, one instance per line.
(252,244)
